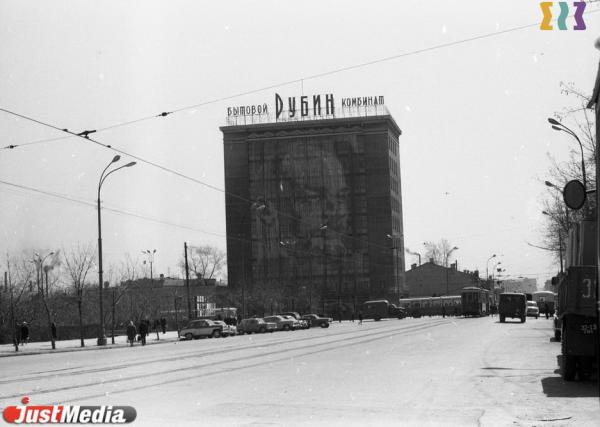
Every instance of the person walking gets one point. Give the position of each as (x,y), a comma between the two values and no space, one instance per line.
(360,318)
(24,333)
(131,332)
(443,311)
(352,317)
(546,309)
(143,331)
(163,325)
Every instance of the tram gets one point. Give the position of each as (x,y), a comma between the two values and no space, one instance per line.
(475,301)
(432,306)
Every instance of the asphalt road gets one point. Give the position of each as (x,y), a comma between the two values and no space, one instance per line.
(428,371)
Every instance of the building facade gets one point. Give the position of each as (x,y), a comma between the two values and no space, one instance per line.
(430,279)
(314,209)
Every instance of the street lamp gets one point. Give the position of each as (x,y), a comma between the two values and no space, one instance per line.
(40,268)
(150,260)
(101,334)
(487,264)
(556,125)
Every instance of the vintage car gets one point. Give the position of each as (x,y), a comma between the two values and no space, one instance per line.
(298,324)
(228,330)
(315,320)
(201,328)
(303,324)
(513,305)
(532,309)
(282,323)
(256,325)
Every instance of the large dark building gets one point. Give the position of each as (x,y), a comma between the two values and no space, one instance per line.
(314,210)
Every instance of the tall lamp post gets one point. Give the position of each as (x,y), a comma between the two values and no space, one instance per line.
(447,257)
(150,260)
(556,125)
(487,265)
(103,176)
(40,269)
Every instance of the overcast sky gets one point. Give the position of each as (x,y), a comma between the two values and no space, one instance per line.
(474,148)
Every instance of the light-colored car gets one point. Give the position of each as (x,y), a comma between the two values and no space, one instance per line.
(201,328)
(228,330)
(298,324)
(282,323)
(532,309)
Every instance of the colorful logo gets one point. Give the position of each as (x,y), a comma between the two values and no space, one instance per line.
(561,21)
(63,414)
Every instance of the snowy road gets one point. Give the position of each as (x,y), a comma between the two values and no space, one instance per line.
(429,371)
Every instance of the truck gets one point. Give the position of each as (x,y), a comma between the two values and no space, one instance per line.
(379,309)
(513,305)
(576,310)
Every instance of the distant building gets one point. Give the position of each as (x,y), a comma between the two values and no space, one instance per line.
(309,206)
(430,279)
(519,285)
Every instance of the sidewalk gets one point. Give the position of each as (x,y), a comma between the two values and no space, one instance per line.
(7,350)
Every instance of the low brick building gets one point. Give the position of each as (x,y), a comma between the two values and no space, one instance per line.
(430,279)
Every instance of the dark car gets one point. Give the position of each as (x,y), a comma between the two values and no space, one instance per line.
(315,320)
(302,324)
(513,305)
(256,325)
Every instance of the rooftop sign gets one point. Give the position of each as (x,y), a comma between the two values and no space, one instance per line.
(305,107)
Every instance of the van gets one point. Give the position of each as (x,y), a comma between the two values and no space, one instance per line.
(513,305)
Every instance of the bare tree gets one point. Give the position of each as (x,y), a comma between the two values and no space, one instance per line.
(19,276)
(581,123)
(79,261)
(440,252)
(206,261)
(45,296)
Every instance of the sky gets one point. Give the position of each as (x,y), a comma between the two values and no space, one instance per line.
(473,111)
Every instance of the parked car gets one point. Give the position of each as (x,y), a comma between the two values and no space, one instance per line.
(315,320)
(283,324)
(228,330)
(532,309)
(201,328)
(298,324)
(303,324)
(256,325)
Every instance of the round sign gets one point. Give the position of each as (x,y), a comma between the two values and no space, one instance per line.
(574,194)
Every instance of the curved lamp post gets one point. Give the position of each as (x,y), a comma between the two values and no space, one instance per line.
(487,264)
(556,125)
(103,176)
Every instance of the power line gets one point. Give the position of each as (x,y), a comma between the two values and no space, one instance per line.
(85,135)
(302,79)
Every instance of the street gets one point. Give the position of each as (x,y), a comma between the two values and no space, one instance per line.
(428,371)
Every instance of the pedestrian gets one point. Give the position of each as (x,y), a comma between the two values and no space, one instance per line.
(360,317)
(443,311)
(131,332)
(143,329)
(163,325)
(352,317)
(53,330)
(24,333)
(546,309)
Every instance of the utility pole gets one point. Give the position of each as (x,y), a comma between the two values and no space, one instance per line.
(187,281)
